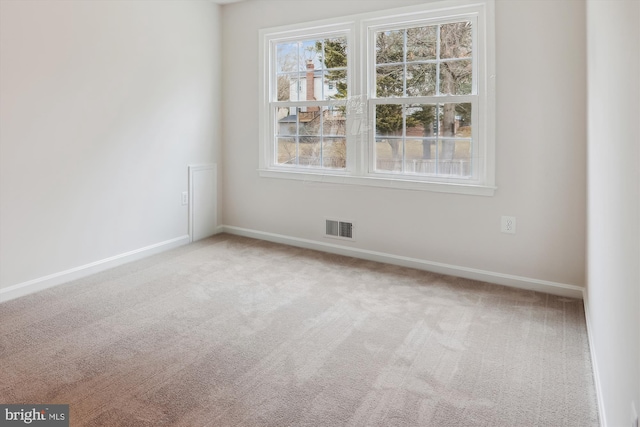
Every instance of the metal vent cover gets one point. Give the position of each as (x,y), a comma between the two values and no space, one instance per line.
(340,229)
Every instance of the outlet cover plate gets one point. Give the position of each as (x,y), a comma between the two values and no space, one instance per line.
(508,224)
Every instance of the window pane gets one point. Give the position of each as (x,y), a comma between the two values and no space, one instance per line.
(420,157)
(286,151)
(310,57)
(455,40)
(309,151)
(335,86)
(284,87)
(454,157)
(455,120)
(334,121)
(335,53)
(421,79)
(389,120)
(287,121)
(333,58)
(389,81)
(389,143)
(389,152)
(286,57)
(455,77)
(309,120)
(334,153)
(294,91)
(463,116)
(389,46)
(421,43)
(421,120)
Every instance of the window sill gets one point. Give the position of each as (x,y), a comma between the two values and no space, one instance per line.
(399,183)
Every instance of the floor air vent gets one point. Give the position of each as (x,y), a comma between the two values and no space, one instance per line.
(339,229)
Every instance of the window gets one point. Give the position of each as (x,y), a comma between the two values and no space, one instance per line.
(424,100)
(308,78)
(416,112)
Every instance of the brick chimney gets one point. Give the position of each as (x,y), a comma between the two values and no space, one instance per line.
(310,81)
(311,84)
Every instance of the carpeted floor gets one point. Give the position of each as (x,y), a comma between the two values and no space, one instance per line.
(231,331)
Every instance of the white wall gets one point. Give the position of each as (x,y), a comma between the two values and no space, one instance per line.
(614,203)
(541,152)
(103,105)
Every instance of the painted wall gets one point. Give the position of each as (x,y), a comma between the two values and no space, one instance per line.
(614,203)
(541,152)
(103,105)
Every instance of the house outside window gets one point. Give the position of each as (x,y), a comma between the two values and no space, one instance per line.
(416,112)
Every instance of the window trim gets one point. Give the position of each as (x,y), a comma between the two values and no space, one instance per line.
(359,148)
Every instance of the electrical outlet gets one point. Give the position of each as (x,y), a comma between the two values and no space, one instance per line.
(508,224)
(185,198)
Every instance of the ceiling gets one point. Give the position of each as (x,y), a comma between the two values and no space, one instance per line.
(225,1)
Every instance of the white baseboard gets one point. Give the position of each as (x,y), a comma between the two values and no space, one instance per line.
(55,279)
(561,289)
(594,362)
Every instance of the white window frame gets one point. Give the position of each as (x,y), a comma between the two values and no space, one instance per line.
(361,96)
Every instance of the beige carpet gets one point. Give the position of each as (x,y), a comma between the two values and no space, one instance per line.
(232,331)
